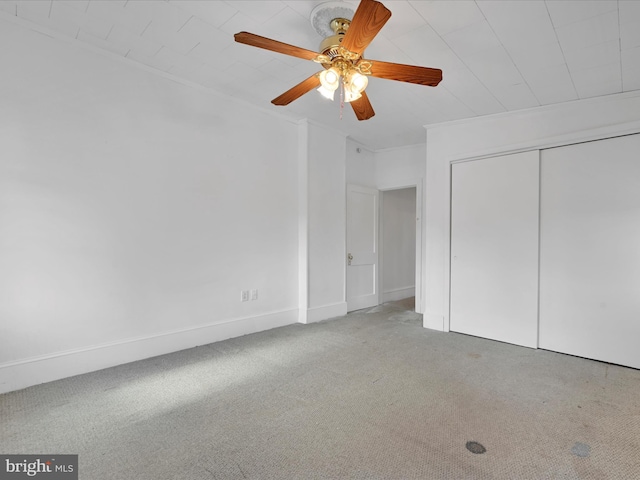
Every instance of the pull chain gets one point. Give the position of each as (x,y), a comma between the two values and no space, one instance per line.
(341,98)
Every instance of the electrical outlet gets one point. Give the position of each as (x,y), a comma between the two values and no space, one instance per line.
(244,296)
(254,294)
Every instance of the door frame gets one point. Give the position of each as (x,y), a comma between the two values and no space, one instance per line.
(418,185)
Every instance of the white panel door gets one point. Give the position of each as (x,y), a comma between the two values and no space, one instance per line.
(590,250)
(362,247)
(494,248)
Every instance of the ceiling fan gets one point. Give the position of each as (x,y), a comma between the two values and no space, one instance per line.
(341,56)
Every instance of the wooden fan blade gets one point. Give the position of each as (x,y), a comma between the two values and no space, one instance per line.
(406,73)
(362,107)
(368,20)
(274,45)
(296,92)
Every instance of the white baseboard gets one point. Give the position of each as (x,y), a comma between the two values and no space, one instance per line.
(398,294)
(317,314)
(434,322)
(33,371)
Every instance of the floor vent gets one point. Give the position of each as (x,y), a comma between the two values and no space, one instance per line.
(475,447)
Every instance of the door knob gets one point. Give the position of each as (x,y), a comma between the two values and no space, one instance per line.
(349,258)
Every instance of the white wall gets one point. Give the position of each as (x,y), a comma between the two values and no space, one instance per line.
(499,134)
(398,244)
(360,165)
(133,211)
(400,167)
(385,169)
(323,228)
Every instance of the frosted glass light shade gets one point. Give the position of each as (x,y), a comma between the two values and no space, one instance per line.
(358,82)
(326,93)
(330,79)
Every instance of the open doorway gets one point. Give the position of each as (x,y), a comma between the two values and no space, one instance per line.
(399,222)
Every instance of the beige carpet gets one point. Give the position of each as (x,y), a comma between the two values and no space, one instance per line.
(371,395)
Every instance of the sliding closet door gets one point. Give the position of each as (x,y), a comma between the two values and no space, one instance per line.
(494,248)
(590,250)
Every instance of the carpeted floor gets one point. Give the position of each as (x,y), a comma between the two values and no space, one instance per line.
(371,395)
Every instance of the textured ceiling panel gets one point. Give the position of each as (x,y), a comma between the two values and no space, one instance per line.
(496,55)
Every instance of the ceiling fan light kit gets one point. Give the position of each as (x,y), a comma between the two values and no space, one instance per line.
(341,56)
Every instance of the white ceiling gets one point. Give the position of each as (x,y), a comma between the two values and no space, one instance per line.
(496,56)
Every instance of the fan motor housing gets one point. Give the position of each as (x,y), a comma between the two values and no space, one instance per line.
(329,45)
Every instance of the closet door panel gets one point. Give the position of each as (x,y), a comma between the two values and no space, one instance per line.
(494,248)
(590,250)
